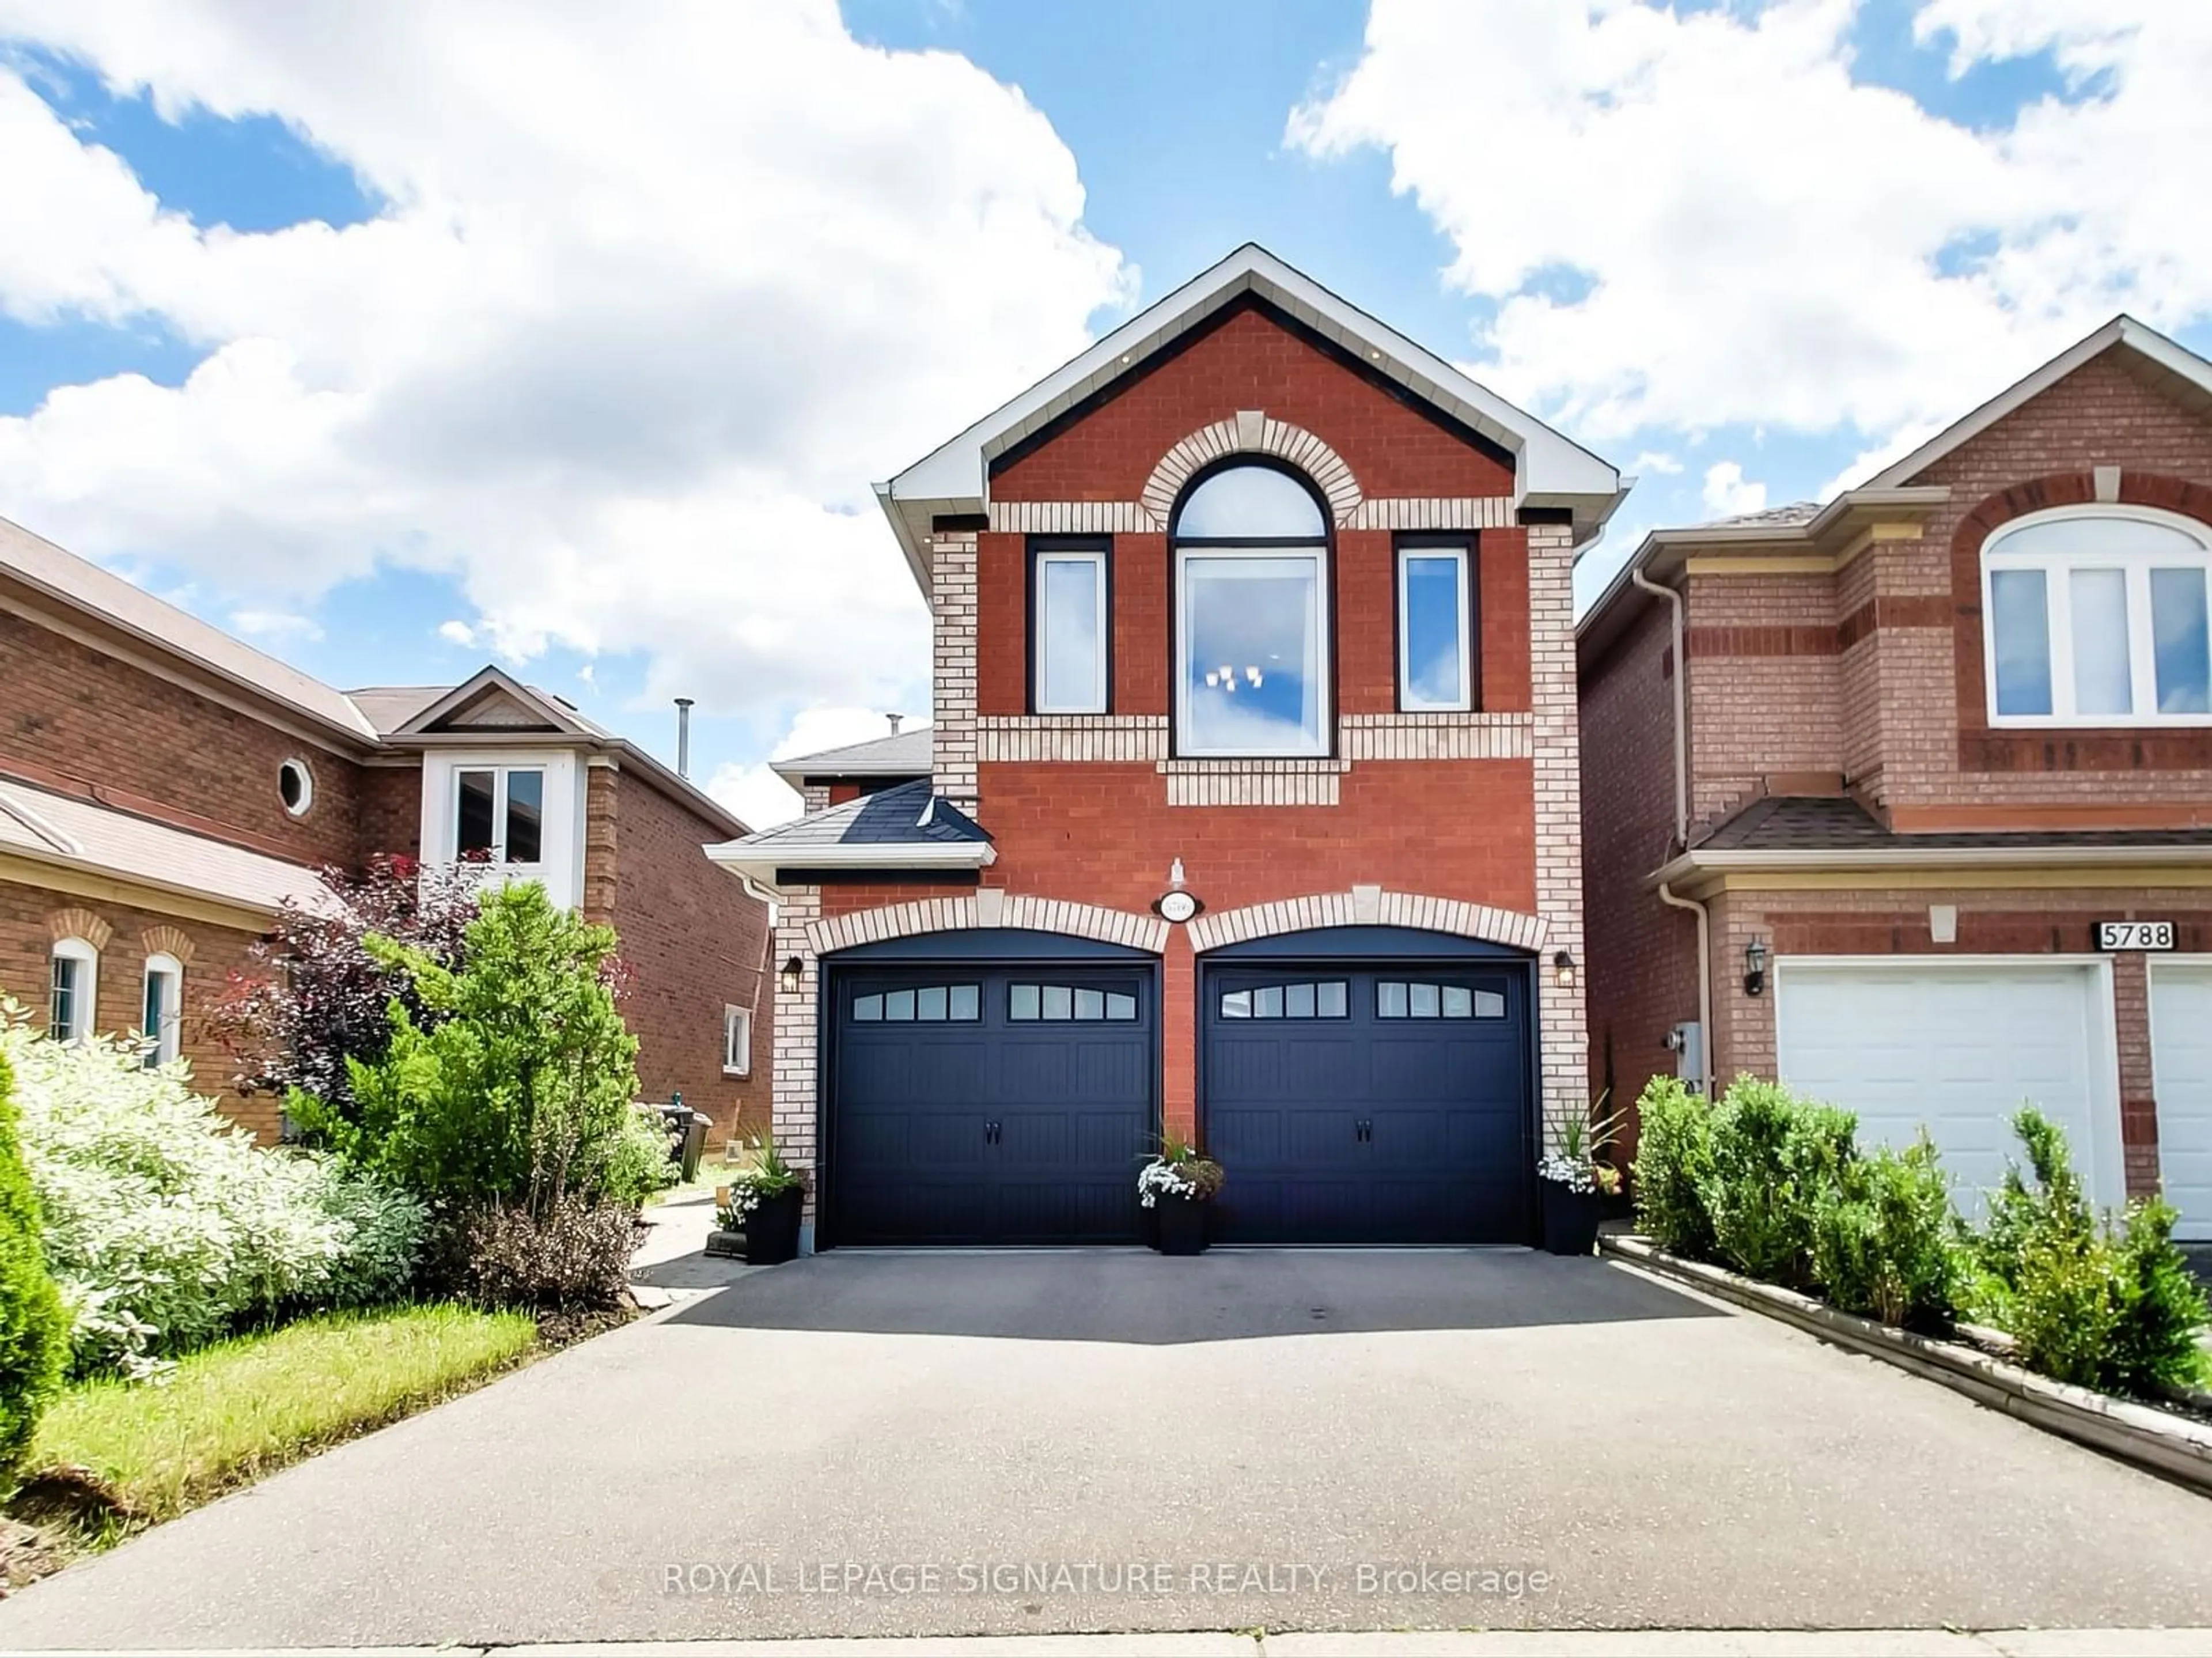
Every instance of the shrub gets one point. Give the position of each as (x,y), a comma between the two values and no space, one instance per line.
(2100,1306)
(1885,1237)
(1673,1167)
(1773,1155)
(636,1163)
(522,1090)
(33,1324)
(571,1255)
(164,1226)
(320,997)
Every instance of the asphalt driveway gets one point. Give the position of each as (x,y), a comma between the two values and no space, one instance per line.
(959,1442)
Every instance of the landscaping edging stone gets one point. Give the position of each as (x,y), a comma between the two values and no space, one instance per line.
(2165,1444)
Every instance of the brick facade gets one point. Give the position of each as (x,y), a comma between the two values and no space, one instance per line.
(1864,671)
(110,721)
(1467,822)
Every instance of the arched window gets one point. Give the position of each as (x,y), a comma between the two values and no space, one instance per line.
(74,988)
(1251,591)
(2096,616)
(163,1020)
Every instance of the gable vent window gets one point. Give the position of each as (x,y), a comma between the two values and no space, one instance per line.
(1251,631)
(499,814)
(925,1005)
(1414,999)
(1070,653)
(1329,999)
(2097,617)
(1071,1002)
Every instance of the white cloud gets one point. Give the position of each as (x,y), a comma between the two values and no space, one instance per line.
(1757,236)
(1652,462)
(659,289)
(759,796)
(276,624)
(457,632)
(1729,494)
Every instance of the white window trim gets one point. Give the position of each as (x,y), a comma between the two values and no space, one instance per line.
(163,1046)
(85,1012)
(2058,611)
(1095,557)
(500,772)
(293,763)
(732,1016)
(1317,643)
(1407,702)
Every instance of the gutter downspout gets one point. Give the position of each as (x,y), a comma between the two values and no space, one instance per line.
(1682,829)
(1705,981)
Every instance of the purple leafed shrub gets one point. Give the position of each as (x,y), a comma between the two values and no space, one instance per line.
(317,997)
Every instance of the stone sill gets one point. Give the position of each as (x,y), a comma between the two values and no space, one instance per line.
(2173,1445)
(1251,766)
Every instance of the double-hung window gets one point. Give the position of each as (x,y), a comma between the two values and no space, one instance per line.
(498,813)
(1435,625)
(1069,656)
(1251,632)
(73,989)
(2097,617)
(162,1019)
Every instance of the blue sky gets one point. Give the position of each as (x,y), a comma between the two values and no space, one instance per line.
(593,381)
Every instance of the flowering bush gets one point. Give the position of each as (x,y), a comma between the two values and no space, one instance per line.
(322,996)
(164,1226)
(33,1323)
(765,1174)
(1179,1169)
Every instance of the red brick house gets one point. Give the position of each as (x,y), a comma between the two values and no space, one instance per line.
(1249,809)
(1863,784)
(165,787)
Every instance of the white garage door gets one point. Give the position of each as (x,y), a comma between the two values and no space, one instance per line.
(1958,1047)
(2181,1058)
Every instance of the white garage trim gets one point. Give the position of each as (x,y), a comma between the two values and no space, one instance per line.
(2107,1184)
(2183,1101)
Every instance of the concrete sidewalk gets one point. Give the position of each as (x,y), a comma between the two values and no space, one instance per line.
(1396,1643)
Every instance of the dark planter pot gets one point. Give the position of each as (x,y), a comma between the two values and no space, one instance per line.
(1181,1224)
(772,1230)
(1571,1219)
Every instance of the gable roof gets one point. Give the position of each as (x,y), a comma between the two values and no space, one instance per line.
(1549,469)
(901,754)
(489,702)
(84,585)
(2172,365)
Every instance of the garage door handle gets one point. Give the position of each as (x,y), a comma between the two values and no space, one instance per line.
(990,1134)
(1364,1130)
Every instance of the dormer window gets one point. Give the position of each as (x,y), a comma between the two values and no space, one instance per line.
(2097,617)
(500,813)
(1251,594)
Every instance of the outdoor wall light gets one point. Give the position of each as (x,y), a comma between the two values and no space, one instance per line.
(1563,969)
(790,976)
(1754,966)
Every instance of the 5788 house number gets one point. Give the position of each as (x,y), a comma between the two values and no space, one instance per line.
(2135,935)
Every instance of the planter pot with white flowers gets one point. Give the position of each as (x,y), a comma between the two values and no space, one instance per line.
(764,1201)
(1576,1177)
(1176,1185)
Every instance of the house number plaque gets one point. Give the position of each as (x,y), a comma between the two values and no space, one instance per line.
(2135,935)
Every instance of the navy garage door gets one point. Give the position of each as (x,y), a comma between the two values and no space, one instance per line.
(1369,1104)
(989,1105)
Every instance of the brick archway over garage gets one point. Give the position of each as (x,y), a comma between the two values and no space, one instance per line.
(989,907)
(1369,907)
(1249,432)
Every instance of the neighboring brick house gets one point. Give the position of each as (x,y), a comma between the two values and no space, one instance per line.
(1934,733)
(1250,807)
(165,787)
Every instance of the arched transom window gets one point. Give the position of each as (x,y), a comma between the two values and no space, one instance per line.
(1251,657)
(2097,617)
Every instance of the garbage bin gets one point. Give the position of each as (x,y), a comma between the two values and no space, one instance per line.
(687,1135)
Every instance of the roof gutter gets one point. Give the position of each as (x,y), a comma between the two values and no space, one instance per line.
(1702,862)
(754,863)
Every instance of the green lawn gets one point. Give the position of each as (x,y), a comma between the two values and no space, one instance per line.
(245,1407)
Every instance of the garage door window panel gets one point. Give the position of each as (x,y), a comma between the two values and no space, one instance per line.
(1064,1004)
(1325,999)
(2099,616)
(1418,998)
(926,1004)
